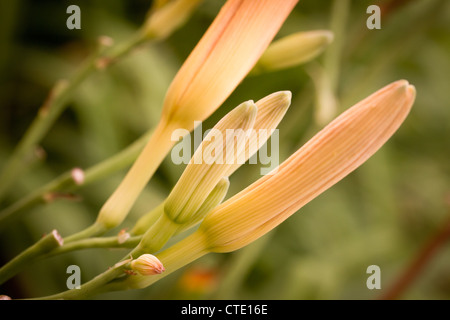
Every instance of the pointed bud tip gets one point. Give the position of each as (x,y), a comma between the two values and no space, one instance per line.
(78,176)
(328,36)
(248,107)
(406,88)
(147,265)
(224,181)
(246,110)
(58,237)
(286,95)
(282,99)
(412,90)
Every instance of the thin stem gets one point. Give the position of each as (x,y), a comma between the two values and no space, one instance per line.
(156,236)
(116,208)
(66,181)
(332,58)
(43,246)
(93,287)
(123,49)
(180,254)
(148,220)
(53,108)
(91,231)
(106,242)
(47,115)
(50,246)
(425,255)
(173,258)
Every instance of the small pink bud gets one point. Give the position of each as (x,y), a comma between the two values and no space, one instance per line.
(78,176)
(122,236)
(147,265)
(106,41)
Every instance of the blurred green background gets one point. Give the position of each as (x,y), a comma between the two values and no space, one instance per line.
(382,214)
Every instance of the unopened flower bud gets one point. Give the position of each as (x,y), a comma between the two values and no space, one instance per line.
(211,162)
(78,176)
(147,265)
(225,54)
(122,236)
(294,50)
(168,17)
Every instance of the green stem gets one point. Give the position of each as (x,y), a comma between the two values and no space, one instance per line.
(66,181)
(49,247)
(332,58)
(173,258)
(53,108)
(107,242)
(125,48)
(91,231)
(47,115)
(43,246)
(148,220)
(91,288)
(156,236)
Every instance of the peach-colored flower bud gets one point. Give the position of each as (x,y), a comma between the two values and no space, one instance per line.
(333,153)
(168,17)
(78,176)
(147,265)
(226,53)
(328,157)
(208,167)
(294,49)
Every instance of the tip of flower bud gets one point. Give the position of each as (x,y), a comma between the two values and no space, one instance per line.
(4,297)
(58,237)
(77,176)
(223,182)
(247,108)
(294,49)
(122,236)
(277,104)
(406,90)
(285,97)
(401,83)
(328,36)
(405,85)
(106,41)
(147,265)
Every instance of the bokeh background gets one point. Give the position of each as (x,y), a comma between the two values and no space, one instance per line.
(390,212)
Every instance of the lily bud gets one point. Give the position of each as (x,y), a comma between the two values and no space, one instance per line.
(329,156)
(213,200)
(211,161)
(147,265)
(226,53)
(271,110)
(293,50)
(333,153)
(167,17)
